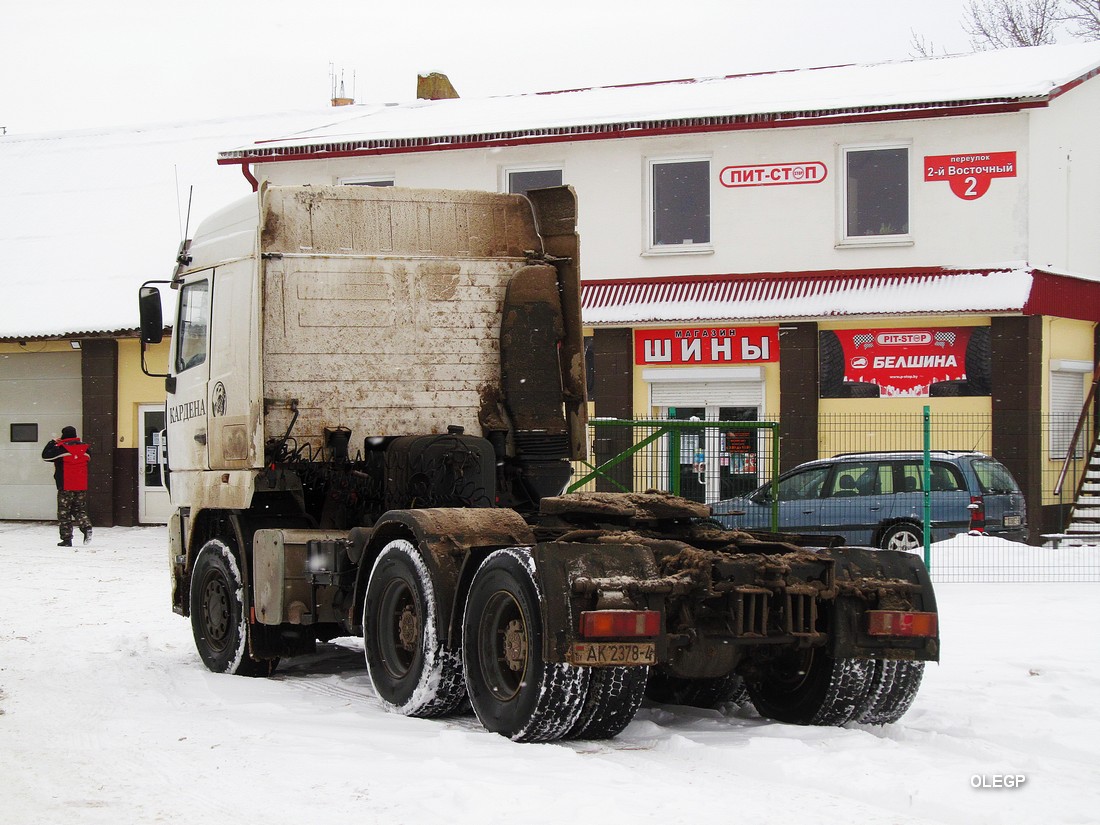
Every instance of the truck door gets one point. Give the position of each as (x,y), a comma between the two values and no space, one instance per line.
(229,394)
(186,409)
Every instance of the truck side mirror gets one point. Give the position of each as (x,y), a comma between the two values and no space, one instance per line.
(152,320)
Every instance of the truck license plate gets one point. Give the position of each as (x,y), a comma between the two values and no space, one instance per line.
(609,654)
(1012,521)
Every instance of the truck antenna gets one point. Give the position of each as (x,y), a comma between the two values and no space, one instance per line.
(183,260)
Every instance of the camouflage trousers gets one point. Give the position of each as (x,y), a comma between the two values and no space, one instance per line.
(72,509)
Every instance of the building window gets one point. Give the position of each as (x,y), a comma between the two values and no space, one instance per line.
(876,194)
(679,214)
(521,181)
(368,180)
(1067,397)
(24,434)
(194,321)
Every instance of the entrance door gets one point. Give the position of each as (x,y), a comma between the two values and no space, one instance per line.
(154,505)
(716,463)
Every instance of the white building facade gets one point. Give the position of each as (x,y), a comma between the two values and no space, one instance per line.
(747,242)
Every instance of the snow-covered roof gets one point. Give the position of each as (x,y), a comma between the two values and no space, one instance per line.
(985,81)
(87,216)
(810,295)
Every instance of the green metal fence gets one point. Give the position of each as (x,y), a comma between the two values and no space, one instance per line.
(706,461)
(711,461)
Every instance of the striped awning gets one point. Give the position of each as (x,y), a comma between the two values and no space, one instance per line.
(814,295)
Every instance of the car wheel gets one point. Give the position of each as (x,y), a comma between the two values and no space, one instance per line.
(906,537)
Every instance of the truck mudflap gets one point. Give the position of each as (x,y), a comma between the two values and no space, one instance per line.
(885,606)
(570,574)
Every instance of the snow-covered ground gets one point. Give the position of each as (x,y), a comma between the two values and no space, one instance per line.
(107,715)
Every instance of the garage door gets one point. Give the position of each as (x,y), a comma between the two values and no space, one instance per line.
(39,394)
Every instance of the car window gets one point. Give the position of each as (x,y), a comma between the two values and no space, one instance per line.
(854,479)
(994,477)
(885,479)
(803,484)
(945,478)
(911,477)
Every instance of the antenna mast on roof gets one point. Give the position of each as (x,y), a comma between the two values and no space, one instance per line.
(338,96)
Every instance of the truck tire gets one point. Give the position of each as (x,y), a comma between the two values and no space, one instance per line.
(614,696)
(512,690)
(219,619)
(709,693)
(906,537)
(413,672)
(894,686)
(810,687)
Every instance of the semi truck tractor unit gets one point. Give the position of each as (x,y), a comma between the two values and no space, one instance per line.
(375,397)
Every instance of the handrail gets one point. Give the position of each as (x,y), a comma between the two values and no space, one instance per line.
(1072,448)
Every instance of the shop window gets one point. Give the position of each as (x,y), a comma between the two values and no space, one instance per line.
(876,194)
(521,181)
(679,214)
(194,321)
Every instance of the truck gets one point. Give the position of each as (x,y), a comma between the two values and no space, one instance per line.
(375,398)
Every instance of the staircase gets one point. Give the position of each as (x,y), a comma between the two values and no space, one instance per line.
(1084,518)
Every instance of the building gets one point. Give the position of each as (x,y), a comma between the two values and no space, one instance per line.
(802,245)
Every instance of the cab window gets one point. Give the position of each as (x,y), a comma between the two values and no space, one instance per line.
(193,325)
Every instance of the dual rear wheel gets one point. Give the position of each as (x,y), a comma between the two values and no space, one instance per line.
(500,667)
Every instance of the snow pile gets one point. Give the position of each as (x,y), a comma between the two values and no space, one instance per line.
(108,716)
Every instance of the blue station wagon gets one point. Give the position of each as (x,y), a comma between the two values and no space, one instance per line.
(877,499)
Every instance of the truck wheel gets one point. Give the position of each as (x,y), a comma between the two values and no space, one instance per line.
(906,537)
(219,620)
(512,690)
(894,686)
(614,696)
(810,687)
(412,670)
(696,693)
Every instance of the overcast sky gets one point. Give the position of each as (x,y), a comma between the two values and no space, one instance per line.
(71,64)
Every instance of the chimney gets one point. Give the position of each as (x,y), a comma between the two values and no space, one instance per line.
(434,86)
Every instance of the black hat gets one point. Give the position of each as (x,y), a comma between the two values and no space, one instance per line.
(68,432)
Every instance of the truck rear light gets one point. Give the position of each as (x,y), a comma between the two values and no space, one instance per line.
(977,513)
(902,623)
(603,624)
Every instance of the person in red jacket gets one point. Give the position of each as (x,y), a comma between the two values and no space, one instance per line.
(70,471)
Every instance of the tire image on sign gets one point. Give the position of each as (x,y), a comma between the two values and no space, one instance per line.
(410,666)
(219,617)
(512,690)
